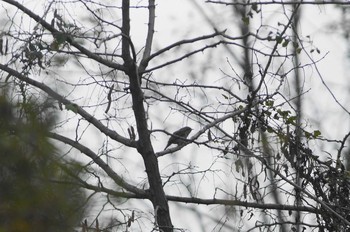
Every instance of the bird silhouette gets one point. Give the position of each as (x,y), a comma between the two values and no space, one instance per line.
(179,136)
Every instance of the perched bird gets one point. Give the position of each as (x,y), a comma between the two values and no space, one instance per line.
(178,136)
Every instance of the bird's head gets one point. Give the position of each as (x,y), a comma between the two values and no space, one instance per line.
(185,131)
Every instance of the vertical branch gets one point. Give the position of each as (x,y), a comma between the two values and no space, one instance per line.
(243,131)
(298,106)
(246,66)
(274,187)
(150,32)
(126,31)
(248,72)
(144,145)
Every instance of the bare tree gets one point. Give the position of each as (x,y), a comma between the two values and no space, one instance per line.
(117,94)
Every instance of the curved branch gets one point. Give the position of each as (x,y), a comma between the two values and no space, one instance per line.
(114,193)
(88,117)
(182,42)
(201,131)
(184,56)
(85,150)
(69,39)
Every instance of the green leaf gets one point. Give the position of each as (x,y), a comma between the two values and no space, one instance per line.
(234,119)
(250,14)
(270,130)
(32,47)
(278,156)
(239,165)
(245,20)
(60,38)
(285,43)
(255,7)
(226,150)
(269,103)
(316,133)
(54,45)
(279,39)
(284,113)
(307,134)
(291,119)
(72,107)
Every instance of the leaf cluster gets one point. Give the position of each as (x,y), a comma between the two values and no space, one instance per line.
(35,194)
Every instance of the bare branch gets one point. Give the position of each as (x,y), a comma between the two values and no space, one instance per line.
(203,130)
(182,42)
(69,39)
(268,64)
(109,171)
(150,33)
(126,31)
(215,201)
(280,3)
(183,57)
(88,117)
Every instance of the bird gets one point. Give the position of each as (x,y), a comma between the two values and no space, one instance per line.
(179,136)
